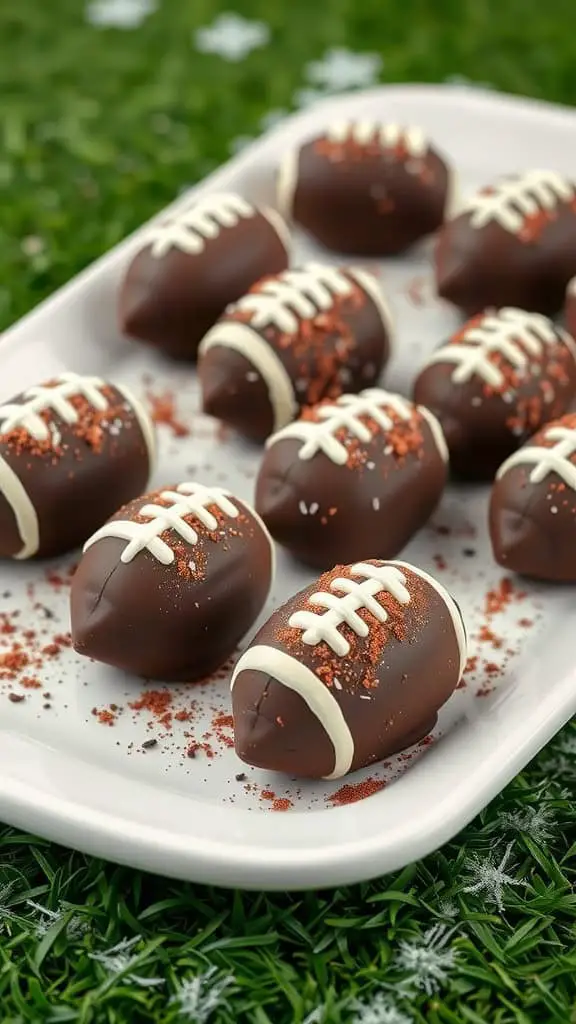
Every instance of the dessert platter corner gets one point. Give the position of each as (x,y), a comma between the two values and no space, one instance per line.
(350,347)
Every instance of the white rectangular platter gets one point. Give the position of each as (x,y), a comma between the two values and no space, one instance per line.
(72,762)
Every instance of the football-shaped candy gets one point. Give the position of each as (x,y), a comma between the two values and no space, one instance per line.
(195,263)
(293,340)
(170,584)
(71,451)
(366,188)
(350,670)
(498,380)
(513,244)
(352,479)
(533,505)
(570,307)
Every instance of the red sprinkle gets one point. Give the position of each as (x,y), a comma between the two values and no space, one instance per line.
(163,411)
(352,792)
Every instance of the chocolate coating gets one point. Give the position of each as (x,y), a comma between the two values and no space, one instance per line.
(179,283)
(570,307)
(353,498)
(481,263)
(61,478)
(292,341)
(177,620)
(533,505)
(371,190)
(388,687)
(484,422)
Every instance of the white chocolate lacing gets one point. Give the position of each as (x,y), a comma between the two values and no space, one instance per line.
(556,459)
(189,499)
(513,333)
(389,136)
(323,628)
(514,199)
(189,231)
(57,399)
(284,301)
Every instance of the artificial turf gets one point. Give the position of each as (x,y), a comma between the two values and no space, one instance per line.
(100,127)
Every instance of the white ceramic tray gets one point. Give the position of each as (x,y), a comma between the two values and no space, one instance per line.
(68,776)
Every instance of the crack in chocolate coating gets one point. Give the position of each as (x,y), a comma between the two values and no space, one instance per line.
(172,622)
(171,301)
(389,688)
(371,206)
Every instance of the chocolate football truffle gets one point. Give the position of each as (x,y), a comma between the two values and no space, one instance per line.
(193,264)
(349,671)
(570,307)
(352,479)
(71,450)
(366,188)
(533,505)
(170,585)
(293,340)
(498,379)
(512,244)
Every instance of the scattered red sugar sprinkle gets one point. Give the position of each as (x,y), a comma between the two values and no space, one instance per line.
(471,664)
(182,716)
(282,804)
(525,623)
(30,683)
(439,562)
(487,636)
(57,580)
(484,691)
(12,662)
(492,668)
(157,703)
(196,748)
(268,794)
(163,412)
(105,716)
(352,792)
(6,627)
(502,595)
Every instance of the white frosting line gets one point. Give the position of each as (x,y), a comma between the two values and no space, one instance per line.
(280,227)
(370,285)
(458,622)
(286,299)
(188,499)
(514,199)
(315,694)
(56,398)
(389,135)
(286,182)
(247,342)
(547,460)
(571,287)
(144,422)
(24,512)
(202,221)
(436,431)
(510,332)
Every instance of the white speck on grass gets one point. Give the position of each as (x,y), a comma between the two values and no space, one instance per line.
(381,1010)
(427,960)
(197,998)
(119,13)
(232,37)
(118,960)
(490,878)
(341,69)
(535,822)
(75,927)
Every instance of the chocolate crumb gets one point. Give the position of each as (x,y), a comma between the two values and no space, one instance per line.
(16,698)
(148,744)
(46,706)
(469,552)
(241,777)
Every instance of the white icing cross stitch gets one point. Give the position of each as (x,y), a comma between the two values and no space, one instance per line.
(318,628)
(292,296)
(187,500)
(56,399)
(344,414)
(388,135)
(548,460)
(188,231)
(513,333)
(514,199)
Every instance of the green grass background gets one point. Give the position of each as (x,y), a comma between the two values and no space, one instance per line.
(98,129)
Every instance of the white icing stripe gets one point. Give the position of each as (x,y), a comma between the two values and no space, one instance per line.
(571,287)
(452,607)
(248,343)
(436,431)
(286,182)
(453,203)
(370,285)
(144,422)
(13,491)
(513,199)
(280,227)
(283,301)
(323,628)
(389,136)
(187,500)
(316,695)
(56,398)
(202,221)
(345,413)
(547,460)
(513,333)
